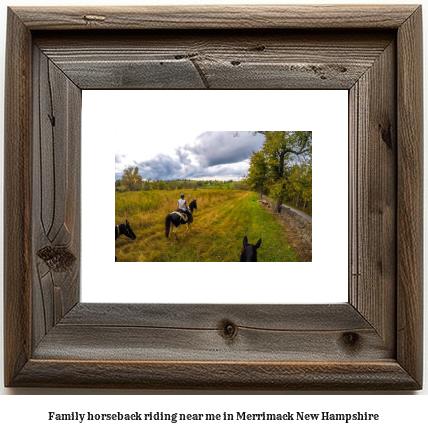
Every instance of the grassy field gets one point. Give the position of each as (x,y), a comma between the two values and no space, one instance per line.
(220,223)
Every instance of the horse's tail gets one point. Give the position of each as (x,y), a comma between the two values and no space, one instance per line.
(167,225)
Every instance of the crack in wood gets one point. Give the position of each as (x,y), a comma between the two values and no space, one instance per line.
(51,117)
(200,72)
(215,329)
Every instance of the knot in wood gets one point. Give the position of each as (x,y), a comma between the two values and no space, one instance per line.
(386,134)
(94,18)
(228,330)
(351,340)
(259,48)
(58,259)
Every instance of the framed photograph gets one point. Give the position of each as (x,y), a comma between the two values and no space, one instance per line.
(371,341)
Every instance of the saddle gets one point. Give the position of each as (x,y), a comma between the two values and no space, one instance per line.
(184,217)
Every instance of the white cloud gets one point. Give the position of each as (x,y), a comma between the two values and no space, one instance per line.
(212,154)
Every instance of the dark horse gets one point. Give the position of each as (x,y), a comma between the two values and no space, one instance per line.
(249,251)
(124,229)
(176,219)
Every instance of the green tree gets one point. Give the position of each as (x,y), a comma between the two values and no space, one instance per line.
(284,150)
(257,175)
(131,179)
(147,184)
(271,168)
(159,184)
(299,186)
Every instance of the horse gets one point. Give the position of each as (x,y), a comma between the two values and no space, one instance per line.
(176,219)
(249,251)
(124,229)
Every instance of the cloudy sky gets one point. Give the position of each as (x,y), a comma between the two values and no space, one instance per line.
(189,154)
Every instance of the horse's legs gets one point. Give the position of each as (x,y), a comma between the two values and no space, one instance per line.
(188,227)
(174,231)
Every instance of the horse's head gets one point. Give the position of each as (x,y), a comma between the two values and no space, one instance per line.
(193,205)
(249,251)
(128,231)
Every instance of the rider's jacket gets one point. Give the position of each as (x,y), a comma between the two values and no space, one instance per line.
(182,204)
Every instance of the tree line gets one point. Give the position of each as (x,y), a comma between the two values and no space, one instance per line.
(132,181)
(282,169)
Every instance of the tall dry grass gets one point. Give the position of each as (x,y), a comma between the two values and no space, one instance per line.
(221,221)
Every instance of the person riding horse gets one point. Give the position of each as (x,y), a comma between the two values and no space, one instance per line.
(182,207)
(180,217)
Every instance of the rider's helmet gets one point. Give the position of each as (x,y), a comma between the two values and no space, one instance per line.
(182,195)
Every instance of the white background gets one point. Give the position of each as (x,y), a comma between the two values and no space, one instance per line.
(324,280)
(399,412)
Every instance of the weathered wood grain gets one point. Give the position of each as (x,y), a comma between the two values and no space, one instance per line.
(140,344)
(385,375)
(17,199)
(216,17)
(209,316)
(373,164)
(410,196)
(56,194)
(216,60)
(372,342)
(74,342)
(199,332)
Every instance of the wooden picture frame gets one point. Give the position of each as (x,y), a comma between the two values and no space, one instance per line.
(372,342)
